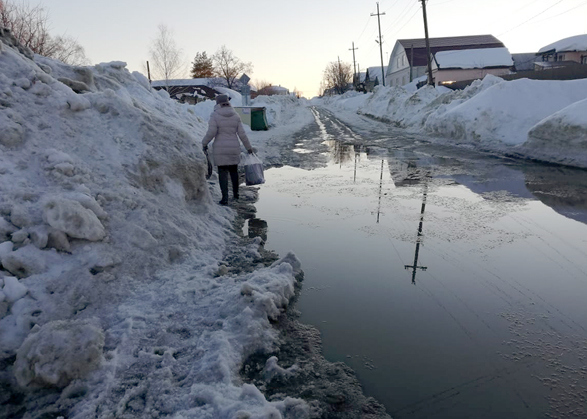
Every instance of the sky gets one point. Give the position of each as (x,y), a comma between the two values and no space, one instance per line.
(290,43)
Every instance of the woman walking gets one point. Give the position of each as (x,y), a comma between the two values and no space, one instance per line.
(225,128)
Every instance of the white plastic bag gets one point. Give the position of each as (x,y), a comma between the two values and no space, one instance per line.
(253,169)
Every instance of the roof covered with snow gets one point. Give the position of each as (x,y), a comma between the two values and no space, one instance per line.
(375,72)
(474,58)
(416,54)
(573,43)
(181,82)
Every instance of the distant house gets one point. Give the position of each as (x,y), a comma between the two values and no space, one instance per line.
(270,91)
(189,91)
(449,67)
(409,59)
(373,77)
(568,51)
(525,61)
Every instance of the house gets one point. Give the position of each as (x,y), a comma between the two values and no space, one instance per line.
(524,61)
(189,91)
(568,51)
(409,61)
(449,67)
(373,77)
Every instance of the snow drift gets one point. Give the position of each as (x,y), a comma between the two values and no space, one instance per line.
(114,300)
(529,118)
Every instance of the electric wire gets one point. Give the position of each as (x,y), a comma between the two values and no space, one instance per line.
(532,18)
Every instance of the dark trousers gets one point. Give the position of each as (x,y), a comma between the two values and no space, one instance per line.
(223,172)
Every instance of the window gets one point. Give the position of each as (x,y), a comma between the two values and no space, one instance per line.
(560,57)
(584,59)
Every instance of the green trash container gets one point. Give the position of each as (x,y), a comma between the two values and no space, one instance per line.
(259,120)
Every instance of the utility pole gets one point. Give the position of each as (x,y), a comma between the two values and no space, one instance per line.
(412,64)
(148,72)
(354,65)
(339,78)
(430,82)
(380,42)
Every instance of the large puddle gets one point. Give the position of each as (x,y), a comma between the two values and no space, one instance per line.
(451,295)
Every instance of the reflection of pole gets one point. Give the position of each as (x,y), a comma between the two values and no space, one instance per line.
(415,266)
(355,175)
(380,187)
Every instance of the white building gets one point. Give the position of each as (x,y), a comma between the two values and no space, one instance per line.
(469,64)
(409,59)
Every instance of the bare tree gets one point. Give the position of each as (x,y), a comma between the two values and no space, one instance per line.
(68,50)
(166,56)
(260,84)
(30,26)
(337,77)
(229,67)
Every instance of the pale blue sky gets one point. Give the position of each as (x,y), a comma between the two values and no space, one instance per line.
(290,42)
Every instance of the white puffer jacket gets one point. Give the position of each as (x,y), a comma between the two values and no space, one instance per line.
(223,127)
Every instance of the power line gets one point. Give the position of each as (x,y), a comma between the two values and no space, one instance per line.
(532,18)
(560,14)
(408,21)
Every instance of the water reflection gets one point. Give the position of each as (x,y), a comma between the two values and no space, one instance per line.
(340,152)
(420,237)
(563,189)
(257,228)
(380,192)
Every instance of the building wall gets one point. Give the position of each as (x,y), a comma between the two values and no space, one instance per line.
(571,56)
(466,74)
(577,56)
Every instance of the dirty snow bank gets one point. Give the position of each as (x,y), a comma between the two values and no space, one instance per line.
(569,123)
(114,300)
(491,114)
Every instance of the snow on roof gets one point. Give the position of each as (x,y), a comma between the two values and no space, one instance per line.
(474,58)
(280,88)
(573,43)
(376,72)
(181,82)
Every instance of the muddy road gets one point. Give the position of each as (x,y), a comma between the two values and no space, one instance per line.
(451,281)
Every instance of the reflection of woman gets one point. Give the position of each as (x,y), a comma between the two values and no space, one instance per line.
(223,128)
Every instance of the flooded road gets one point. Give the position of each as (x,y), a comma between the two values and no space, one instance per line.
(454,283)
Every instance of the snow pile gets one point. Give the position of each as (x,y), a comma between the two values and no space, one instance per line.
(531,118)
(505,112)
(570,124)
(279,109)
(114,298)
(59,352)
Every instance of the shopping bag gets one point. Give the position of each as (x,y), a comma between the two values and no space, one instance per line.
(253,170)
(210,168)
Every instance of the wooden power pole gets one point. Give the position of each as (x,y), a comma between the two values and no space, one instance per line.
(430,82)
(354,65)
(380,42)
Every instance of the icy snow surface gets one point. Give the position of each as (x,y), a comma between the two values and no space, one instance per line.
(113,298)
